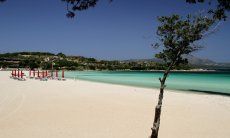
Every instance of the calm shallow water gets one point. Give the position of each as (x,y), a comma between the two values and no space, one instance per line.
(211,82)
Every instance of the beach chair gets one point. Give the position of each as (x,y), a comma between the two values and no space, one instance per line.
(21,77)
(44,79)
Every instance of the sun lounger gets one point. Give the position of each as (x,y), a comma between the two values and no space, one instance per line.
(21,79)
(43,79)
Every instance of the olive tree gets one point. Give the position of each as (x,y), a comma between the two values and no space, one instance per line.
(178,37)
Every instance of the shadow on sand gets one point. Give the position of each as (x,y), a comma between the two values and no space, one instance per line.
(210,92)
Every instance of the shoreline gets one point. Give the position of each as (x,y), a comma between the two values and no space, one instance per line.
(154,88)
(141,86)
(170,90)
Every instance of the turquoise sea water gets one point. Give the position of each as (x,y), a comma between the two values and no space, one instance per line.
(211,82)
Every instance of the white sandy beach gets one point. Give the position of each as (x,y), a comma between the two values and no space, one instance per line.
(82,109)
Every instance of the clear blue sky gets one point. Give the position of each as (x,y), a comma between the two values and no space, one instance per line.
(123,29)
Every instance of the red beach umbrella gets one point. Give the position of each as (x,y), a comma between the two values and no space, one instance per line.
(63,73)
(56,74)
(43,74)
(15,72)
(38,74)
(21,74)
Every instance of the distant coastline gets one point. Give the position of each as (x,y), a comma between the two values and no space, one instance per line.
(49,61)
(191,70)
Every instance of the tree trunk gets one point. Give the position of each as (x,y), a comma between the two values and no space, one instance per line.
(156,123)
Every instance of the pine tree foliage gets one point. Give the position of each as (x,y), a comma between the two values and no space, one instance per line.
(78,5)
(178,36)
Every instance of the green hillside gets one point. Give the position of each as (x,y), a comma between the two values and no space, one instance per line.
(44,60)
